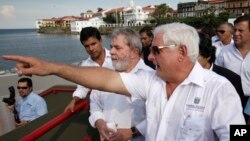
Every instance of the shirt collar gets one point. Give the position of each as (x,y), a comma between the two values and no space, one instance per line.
(140,66)
(29,99)
(107,55)
(196,76)
(211,67)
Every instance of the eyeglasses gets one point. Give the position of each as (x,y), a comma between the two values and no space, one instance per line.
(22,88)
(156,49)
(220,31)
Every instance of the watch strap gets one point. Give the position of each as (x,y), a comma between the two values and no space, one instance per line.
(135,132)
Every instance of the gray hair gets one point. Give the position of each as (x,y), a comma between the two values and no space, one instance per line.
(181,34)
(229,25)
(132,38)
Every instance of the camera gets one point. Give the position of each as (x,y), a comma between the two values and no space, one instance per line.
(11,101)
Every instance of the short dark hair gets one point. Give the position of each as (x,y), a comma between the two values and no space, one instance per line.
(88,32)
(28,80)
(206,49)
(148,30)
(243,18)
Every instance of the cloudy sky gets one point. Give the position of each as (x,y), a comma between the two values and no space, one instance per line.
(23,13)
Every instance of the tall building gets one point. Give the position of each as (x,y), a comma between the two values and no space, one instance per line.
(237,7)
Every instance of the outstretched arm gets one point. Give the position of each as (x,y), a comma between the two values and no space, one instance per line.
(92,77)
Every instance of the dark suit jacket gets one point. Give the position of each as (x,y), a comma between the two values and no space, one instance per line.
(235,79)
(146,52)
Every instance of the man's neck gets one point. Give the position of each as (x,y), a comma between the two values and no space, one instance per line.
(101,58)
(180,77)
(244,49)
(25,96)
(132,65)
(226,42)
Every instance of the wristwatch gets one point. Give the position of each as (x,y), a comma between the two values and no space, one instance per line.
(135,132)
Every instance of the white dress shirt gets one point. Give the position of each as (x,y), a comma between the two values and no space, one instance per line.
(231,59)
(219,45)
(201,108)
(82,91)
(122,110)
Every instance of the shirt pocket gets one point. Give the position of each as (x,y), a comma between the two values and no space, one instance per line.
(27,110)
(193,126)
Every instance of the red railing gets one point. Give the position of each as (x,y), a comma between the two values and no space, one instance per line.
(56,89)
(57,120)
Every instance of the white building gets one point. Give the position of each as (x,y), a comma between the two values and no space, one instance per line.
(39,23)
(76,26)
(134,15)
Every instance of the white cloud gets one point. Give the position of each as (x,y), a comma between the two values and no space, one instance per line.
(7,11)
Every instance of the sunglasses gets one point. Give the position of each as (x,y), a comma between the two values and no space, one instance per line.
(156,49)
(220,31)
(24,88)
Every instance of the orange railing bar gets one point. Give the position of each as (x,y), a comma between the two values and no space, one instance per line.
(56,89)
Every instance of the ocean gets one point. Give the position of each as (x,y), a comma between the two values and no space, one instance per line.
(52,47)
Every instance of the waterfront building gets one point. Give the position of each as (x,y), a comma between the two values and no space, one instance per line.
(134,15)
(149,10)
(77,25)
(203,7)
(237,7)
(186,9)
(218,6)
(130,16)
(46,23)
(62,22)
(39,23)
(87,15)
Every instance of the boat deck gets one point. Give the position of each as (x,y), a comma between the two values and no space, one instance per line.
(75,127)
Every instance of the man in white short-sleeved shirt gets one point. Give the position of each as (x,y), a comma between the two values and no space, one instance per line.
(107,108)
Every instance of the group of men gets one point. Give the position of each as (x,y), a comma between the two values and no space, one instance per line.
(124,56)
(180,100)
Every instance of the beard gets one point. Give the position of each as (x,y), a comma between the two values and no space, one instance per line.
(121,65)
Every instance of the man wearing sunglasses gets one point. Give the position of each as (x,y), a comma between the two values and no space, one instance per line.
(183,100)
(29,105)
(225,34)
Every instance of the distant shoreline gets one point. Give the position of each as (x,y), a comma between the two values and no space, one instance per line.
(103,30)
(19,29)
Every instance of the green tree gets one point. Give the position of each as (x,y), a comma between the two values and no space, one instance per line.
(99,9)
(160,13)
(109,19)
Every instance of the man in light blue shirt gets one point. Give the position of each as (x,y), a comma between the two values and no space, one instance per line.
(29,105)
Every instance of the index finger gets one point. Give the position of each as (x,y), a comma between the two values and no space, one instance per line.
(17,58)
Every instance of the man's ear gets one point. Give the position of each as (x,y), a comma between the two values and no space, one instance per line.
(182,52)
(134,52)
